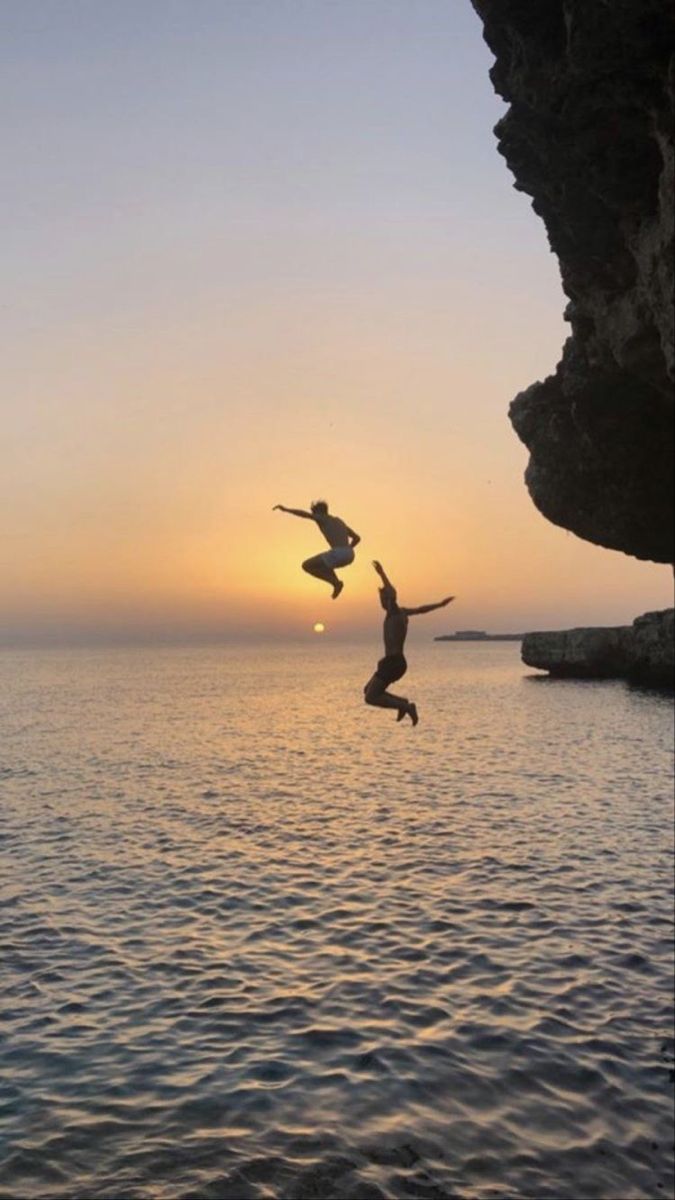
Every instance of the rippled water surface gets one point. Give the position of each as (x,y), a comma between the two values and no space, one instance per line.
(261,941)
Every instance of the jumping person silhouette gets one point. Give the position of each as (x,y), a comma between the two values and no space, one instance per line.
(393,666)
(340,538)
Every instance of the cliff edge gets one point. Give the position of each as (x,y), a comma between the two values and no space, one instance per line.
(643,652)
(588,136)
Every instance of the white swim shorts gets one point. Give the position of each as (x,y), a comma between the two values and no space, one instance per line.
(338,556)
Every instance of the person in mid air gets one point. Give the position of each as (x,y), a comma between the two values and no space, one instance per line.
(393,666)
(340,538)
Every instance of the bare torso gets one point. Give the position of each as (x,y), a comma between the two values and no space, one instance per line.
(334,530)
(395,630)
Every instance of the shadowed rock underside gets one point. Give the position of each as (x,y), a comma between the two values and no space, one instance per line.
(589,136)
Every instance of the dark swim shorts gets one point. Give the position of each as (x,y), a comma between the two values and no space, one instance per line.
(390,668)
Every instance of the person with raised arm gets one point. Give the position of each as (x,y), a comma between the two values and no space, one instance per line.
(339,536)
(393,666)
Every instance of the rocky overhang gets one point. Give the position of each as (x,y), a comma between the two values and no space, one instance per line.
(588,136)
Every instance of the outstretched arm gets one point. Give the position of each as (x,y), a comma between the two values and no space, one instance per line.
(382,574)
(425,608)
(295,512)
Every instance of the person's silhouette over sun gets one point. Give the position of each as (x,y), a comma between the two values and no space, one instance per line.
(339,536)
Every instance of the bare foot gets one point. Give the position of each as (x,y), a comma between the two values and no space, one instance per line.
(337,589)
(412,713)
(402,712)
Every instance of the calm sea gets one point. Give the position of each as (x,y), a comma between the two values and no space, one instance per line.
(258,940)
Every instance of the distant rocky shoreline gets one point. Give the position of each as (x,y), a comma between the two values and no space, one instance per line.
(643,652)
(479,635)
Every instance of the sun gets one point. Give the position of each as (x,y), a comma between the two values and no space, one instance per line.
(319,627)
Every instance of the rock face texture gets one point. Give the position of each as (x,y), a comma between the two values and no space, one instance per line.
(643,652)
(589,136)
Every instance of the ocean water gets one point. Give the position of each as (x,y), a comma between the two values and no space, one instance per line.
(260,941)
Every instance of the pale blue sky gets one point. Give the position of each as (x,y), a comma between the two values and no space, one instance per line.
(145,126)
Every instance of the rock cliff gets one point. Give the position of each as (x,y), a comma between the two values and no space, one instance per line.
(643,652)
(588,136)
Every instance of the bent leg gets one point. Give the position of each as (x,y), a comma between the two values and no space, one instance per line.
(317,567)
(375,692)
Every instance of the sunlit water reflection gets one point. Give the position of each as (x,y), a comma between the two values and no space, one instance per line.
(261,941)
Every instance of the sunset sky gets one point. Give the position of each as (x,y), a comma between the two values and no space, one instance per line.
(259,252)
